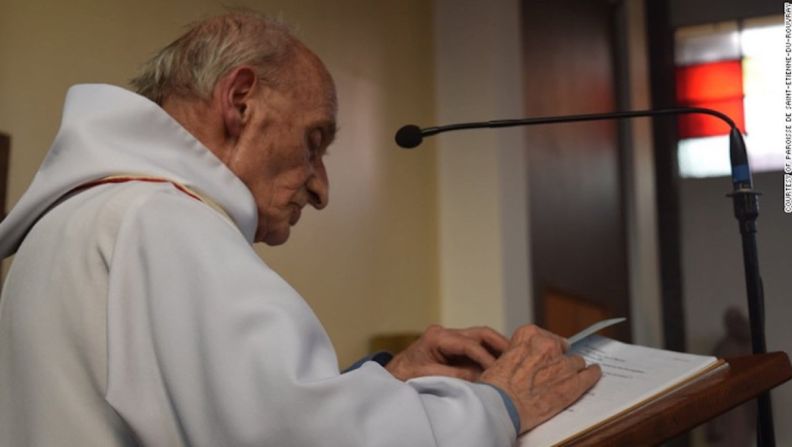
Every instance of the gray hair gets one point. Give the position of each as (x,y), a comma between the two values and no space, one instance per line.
(192,64)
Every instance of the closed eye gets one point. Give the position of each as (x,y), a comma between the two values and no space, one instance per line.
(314,142)
(319,138)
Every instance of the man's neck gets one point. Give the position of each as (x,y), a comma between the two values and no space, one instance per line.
(200,118)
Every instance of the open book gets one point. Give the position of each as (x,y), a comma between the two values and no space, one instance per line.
(631,377)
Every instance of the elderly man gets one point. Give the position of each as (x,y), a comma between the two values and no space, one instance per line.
(136,312)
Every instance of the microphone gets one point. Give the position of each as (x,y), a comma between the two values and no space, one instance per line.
(411,136)
(744,197)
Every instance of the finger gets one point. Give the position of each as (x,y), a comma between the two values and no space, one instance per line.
(565,392)
(547,365)
(591,375)
(510,361)
(563,343)
(528,332)
(548,347)
(525,333)
(491,338)
(460,345)
(570,364)
(575,385)
(575,362)
(559,369)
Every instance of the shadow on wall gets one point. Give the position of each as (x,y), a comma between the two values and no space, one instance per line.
(737,428)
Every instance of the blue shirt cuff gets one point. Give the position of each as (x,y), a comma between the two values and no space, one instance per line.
(510,408)
(381,357)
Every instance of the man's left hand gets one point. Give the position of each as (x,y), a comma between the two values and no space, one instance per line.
(460,353)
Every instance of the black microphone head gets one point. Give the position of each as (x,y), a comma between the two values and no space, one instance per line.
(409,136)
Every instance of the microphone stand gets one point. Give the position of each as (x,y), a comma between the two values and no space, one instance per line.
(744,198)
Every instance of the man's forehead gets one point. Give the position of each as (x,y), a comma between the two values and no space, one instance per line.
(319,87)
(324,85)
(310,81)
(320,103)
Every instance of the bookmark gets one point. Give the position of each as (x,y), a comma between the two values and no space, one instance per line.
(593,328)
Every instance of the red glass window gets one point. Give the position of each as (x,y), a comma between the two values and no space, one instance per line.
(714,85)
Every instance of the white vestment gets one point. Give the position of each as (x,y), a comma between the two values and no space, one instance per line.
(134,314)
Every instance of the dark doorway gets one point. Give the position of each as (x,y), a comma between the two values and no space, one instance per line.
(578,245)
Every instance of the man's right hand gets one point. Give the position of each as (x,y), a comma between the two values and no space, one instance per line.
(538,376)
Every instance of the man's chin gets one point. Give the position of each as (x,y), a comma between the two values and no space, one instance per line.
(274,238)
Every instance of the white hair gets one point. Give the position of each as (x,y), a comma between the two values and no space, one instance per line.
(192,64)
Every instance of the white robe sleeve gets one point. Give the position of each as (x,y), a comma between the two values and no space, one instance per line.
(207,346)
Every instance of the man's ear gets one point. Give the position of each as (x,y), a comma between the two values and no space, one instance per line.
(237,89)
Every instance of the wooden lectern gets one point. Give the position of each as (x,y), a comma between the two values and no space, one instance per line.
(683,410)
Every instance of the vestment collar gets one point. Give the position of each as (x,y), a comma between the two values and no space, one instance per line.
(107,131)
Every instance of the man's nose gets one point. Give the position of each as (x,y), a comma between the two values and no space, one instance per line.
(319,188)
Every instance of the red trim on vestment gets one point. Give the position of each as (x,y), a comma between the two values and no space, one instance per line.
(102,181)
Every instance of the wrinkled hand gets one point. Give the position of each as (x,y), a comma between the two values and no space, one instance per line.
(460,353)
(540,379)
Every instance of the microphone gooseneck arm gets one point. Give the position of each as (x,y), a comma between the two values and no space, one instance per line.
(429,131)
(411,136)
(744,197)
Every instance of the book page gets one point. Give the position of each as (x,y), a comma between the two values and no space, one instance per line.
(631,374)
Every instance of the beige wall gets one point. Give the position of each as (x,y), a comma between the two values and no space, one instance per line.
(367,264)
(482,183)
